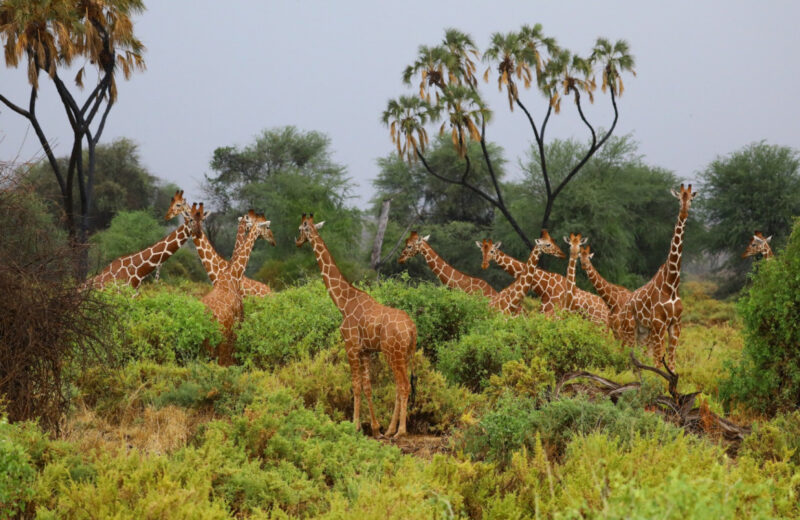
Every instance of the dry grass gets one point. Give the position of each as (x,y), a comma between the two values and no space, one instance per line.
(153,431)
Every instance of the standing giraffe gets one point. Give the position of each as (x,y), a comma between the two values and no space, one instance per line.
(576,300)
(509,299)
(225,298)
(615,296)
(655,309)
(367,326)
(131,269)
(759,245)
(448,275)
(213,263)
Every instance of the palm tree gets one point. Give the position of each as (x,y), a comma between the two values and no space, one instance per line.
(615,59)
(49,36)
(406,118)
(462,50)
(465,109)
(432,64)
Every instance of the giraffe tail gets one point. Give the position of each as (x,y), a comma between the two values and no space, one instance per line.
(413,390)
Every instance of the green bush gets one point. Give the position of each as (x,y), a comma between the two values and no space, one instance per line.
(159,325)
(767,378)
(565,345)
(515,422)
(776,440)
(287,325)
(440,313)
(16,473)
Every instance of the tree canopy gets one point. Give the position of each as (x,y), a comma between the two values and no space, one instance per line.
(754,188)
(448,93)
(48,36)
(285,172)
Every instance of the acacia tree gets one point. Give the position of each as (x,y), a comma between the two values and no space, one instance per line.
(48,36)
(525,58)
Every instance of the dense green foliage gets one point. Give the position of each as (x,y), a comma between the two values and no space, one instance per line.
(768,376)
(160,326)
(285,172)
(293,323)
(16,484)
(122,183)
(569,344)
(754,188)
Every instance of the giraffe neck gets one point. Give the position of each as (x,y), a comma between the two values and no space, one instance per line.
(570,284)
(339,289)
(512,295)
(673,274)
(510,264)
(242,250)
(601,285)
(444,271)
(767,252)
(212,262)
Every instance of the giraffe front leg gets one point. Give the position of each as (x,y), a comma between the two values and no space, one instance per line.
(399,365)
(366,384)
(655,341)
(355,376)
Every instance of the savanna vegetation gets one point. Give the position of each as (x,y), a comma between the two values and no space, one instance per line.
(111,404)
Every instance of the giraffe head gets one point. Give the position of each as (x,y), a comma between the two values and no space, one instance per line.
(759,244)
(586,255)
(489,251)
(177,206)
(307,229)
(258,220)
(194,218)
(548,246)
(685,196)
(575,242)
(413,246)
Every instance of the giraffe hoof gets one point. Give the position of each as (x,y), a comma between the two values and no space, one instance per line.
(398,435)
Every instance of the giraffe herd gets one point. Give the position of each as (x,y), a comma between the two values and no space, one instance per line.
(643,316)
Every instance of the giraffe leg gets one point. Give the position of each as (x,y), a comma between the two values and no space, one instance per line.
(655,341)
(674,333)
(355,376)
(399,364)
(392,429)
(366,384)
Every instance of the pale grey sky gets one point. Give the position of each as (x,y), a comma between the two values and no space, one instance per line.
(712,76)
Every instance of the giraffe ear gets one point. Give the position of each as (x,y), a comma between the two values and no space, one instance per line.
(425,238)
(497,245)
(566,240)
(477,243)
(319,225)
(675,194)
(591,255)
(206,214)
(583,242)
(768,238)
(268,222)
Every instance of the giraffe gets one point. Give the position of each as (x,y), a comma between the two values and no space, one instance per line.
(576,300)
(131,269)
(448,275)
(759,244)
(225,299)
(550,287)
(615,296)
(367,326)
(213,263)
(655,309)
(509,299)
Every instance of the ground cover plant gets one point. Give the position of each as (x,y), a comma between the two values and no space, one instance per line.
(166,432)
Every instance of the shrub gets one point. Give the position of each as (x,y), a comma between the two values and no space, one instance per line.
(515,422)
(767,378)
(159,325)
(47,325)
(531,380)
(16,474)
(287,325)
(440,313)
(565,345)
(776,440)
